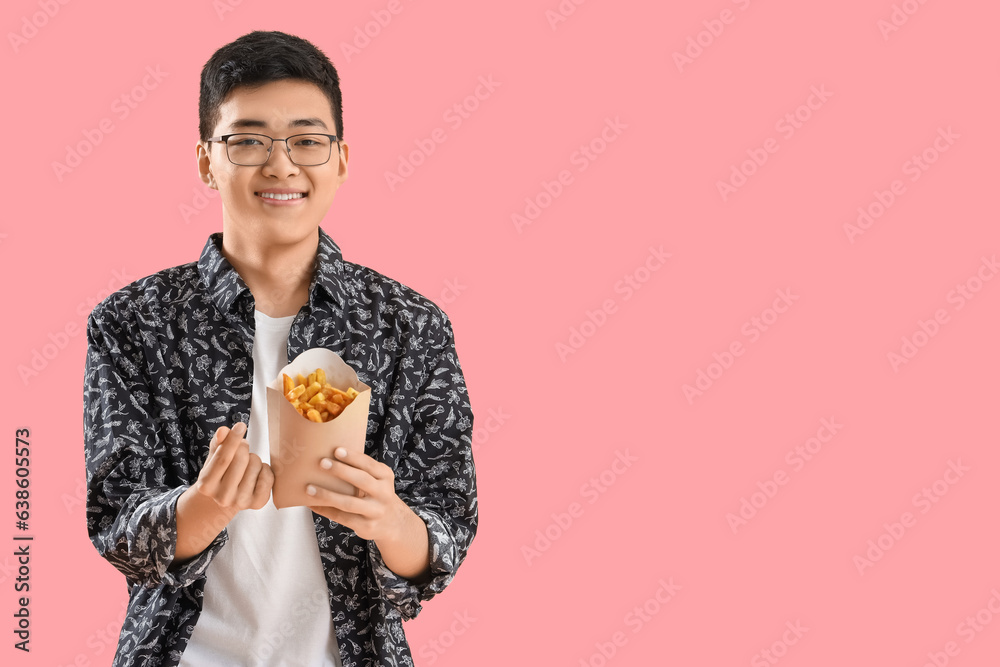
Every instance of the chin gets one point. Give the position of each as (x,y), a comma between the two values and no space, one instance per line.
(281,232)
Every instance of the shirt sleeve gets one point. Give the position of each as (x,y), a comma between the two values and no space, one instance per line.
(131,507)
(436,477)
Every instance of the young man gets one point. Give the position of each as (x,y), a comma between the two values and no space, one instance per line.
(175,416)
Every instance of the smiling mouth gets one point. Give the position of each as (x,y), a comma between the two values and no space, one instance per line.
(279,197)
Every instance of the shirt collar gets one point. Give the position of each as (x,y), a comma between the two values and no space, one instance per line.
(226,287)
(329,273)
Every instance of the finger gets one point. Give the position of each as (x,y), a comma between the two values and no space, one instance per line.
(211,472)
(340,501)
(262,489)
(235,435)
(219,436)
(245,489)
(230,445)
(226,440)
(359,479)
(229,484)
(219,458)
(351,521)
(362,461)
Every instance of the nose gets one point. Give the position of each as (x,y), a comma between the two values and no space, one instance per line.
(279,162)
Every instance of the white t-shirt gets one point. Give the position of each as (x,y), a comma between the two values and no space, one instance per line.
(266,598)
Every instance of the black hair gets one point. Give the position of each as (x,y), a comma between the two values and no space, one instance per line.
(258,58)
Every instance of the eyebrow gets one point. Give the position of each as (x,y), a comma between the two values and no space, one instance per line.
(241,123)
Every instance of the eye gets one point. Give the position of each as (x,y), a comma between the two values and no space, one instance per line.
(245,141)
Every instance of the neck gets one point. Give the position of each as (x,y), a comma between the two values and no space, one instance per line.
(278,275)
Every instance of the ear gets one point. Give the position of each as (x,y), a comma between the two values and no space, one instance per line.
(205,164)
(342,169)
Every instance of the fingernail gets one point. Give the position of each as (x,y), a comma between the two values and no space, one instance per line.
(326,463)
(240,428)
(311,490)
(341,452)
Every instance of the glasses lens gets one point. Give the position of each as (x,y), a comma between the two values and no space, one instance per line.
(309,149)
(248,149)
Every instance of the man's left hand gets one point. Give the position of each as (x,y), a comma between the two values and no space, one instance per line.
(376,512)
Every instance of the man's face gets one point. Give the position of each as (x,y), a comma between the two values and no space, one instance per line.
(278,109)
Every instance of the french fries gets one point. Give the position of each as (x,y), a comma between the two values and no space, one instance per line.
(314,398)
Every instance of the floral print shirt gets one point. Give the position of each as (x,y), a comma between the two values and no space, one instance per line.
(169,360)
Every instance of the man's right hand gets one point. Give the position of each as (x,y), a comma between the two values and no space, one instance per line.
(231,480)
(232,476)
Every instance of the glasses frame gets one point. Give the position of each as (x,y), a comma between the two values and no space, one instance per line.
(224,139)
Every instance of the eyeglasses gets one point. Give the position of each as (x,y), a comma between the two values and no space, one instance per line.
(253,150)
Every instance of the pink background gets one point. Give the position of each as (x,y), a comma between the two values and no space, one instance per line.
(516,293)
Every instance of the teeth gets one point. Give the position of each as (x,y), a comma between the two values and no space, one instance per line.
(270,195)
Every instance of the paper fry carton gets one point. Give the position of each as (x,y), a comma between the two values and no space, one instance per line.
(297,444)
